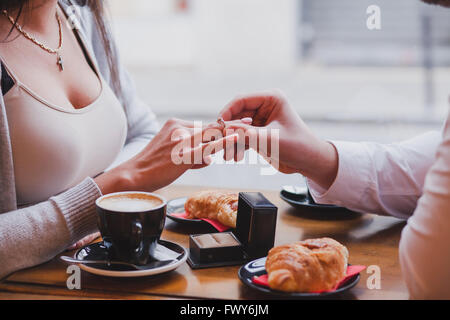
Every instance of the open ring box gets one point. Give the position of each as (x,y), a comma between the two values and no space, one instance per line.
(253,237)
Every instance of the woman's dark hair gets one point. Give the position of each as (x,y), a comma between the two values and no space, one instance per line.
(98,10)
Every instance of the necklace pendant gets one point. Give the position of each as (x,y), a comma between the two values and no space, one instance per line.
(59,62)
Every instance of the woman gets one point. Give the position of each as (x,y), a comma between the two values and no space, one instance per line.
(68,111)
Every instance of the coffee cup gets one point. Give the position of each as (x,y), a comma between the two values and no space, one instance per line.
(131,224)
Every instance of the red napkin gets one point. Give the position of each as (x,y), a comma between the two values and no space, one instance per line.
(351,271)
(216,224)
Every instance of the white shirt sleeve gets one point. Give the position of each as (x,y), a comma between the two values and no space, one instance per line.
(425,241)
(380,178)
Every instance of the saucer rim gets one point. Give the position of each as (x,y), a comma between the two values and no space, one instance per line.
(134,273)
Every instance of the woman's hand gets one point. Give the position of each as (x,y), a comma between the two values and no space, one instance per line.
(86,240)
(178,147)
(269,125)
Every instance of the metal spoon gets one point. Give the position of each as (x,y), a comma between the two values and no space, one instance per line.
(151,265)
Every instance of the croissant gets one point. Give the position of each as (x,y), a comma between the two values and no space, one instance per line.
(307,266)
(215,205)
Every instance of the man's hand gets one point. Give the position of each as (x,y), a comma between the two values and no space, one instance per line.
(254,117)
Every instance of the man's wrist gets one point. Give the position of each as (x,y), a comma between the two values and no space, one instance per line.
(322,165)
(330,165)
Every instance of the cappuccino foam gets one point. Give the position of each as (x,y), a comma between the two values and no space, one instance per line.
(130,203)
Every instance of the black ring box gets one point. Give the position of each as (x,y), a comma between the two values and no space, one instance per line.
(255,235)
(214,256)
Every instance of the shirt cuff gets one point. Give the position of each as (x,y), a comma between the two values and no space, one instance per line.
(78,208)
(352,179)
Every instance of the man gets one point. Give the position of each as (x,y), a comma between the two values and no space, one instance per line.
(407,180)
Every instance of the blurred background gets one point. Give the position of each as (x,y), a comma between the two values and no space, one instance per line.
(189,58)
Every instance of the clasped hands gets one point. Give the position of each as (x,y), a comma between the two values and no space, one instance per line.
(250,121)
(247,121)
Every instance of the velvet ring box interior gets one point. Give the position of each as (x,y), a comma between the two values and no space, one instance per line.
(253,237)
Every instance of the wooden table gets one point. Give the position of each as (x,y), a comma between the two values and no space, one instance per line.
(371,240)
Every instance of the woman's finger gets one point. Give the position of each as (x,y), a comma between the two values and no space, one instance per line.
(180,123)
(212,132)
(86,240)
(248,137)
(198,134)
(205,150)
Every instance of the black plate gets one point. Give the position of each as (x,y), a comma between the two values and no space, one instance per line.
(177,206)
(305,201)
(257,268)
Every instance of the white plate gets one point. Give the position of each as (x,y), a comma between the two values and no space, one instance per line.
(96,248)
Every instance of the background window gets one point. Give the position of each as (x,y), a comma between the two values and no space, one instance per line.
(190,57)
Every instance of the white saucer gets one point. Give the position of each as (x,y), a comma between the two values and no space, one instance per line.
(98,251)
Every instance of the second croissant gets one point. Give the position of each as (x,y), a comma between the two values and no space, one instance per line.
(215,205)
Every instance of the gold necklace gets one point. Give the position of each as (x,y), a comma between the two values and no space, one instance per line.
(59,60)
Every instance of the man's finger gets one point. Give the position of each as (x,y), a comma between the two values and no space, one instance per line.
(246,105)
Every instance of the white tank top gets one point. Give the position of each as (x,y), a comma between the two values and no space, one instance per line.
(55,148)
